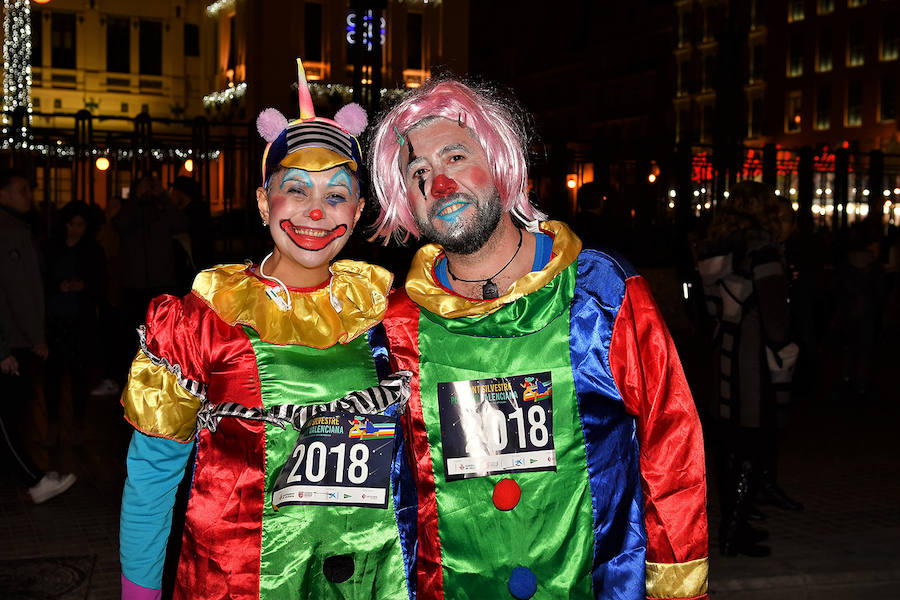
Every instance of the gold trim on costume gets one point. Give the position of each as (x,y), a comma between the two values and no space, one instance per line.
(425,291)
(156,403)
(240,298)
(677,580)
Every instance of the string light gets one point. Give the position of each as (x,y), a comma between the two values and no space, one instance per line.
(16,64)
(218,6)
(226,96)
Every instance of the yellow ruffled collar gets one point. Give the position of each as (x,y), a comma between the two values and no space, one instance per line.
(238,297)
(423,289)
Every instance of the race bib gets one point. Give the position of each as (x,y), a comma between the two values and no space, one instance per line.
(340,459)
(497,425)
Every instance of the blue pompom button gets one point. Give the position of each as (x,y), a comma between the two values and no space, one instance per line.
(522,583)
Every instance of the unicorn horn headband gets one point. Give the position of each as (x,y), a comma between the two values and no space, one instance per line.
(311,143)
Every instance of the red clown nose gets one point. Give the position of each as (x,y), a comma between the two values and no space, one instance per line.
(315,214)
(443,186)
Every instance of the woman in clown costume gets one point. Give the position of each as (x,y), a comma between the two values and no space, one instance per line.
(300,487)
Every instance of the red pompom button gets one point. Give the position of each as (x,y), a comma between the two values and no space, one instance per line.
(506,494)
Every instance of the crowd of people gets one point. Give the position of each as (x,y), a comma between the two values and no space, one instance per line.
(74,286)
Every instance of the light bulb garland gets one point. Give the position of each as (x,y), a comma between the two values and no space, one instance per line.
(226,96)
(218,6)
(16,66)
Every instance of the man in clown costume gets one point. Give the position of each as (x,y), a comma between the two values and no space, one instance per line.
(300,488)
(554,442)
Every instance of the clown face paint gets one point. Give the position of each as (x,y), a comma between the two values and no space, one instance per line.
(310,215)
(459,207)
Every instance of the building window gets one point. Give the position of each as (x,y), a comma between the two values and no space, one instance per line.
(312,32)
(118,45)
(413,41)
(683,27)
(855,3)
(890,41)
(706,124)
(825,52)
(795,57)
(709,71)
(856,46)
(823,108)
(62,40)
(888,99)
(825,7)
(124,107)
(754,121)
(682,125)
(684,78)
(150,43)
(191,40)
(794,112)
(757,66)
(796,11)
(757,13)
(710,19)
(37,37)
(854,104)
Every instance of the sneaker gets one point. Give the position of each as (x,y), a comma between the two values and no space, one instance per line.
(52,484)
(107,387)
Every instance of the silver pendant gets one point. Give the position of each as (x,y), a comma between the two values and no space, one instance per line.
(489,290)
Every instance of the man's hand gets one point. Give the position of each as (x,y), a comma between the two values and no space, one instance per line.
(40,350)
(9,365)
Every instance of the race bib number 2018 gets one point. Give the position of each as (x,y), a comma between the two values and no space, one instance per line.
(340,459)
(497,425)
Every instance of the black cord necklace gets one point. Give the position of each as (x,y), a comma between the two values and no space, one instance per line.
(489,290)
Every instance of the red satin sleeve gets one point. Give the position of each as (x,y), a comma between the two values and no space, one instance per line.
(401,324)
(648,373)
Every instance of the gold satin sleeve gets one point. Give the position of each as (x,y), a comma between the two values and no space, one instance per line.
(156,404)
(677,580)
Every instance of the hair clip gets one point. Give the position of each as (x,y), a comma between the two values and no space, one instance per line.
(460,121)
(400,139)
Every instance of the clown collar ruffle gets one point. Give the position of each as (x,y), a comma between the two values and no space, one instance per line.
(239,298)
(423,289)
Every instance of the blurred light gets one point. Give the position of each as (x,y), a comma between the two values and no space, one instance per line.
(897,191)
(886,193)
(672,193)
(189,165)
(651,178)
(727,193)
(702,190)
(696,193)
(102,163)
(571,183)
(819,192)
(698,207)
(795,206)
(865,192)
(41,1)
(797,118)
(886,209)
(827,191)
(707,206)
(841,207)
(671,204)
(862,210)
(792,191)
(777,192)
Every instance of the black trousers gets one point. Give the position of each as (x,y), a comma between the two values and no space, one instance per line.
(15,397)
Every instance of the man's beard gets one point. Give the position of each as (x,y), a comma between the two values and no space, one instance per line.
(464,236)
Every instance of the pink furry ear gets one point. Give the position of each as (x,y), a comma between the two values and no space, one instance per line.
(353,118)
(270,123)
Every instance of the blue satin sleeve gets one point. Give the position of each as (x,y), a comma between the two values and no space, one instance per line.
(155,468)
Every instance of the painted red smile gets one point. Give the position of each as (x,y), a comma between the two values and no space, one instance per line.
(310,238)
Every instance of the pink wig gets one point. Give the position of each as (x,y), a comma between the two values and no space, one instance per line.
(499,130)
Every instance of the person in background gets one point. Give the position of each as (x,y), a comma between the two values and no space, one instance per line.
(746,288)
(22,333)
(76,287)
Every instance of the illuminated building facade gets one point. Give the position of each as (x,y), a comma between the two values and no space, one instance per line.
(152,84)
(818,77)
